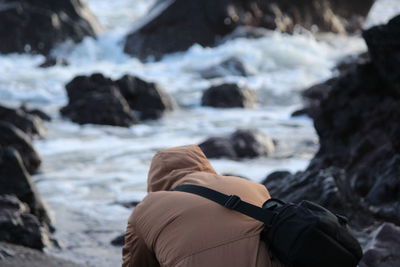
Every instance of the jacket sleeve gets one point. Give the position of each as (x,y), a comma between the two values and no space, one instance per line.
(135,251)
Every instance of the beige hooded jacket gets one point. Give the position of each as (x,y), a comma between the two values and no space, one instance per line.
(177,229)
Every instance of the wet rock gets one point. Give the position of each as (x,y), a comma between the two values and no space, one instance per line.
(383,248)
(240,144)
(54,61)
(96,100)
(228,96)
(384,48)
(146,98)
(12,137)
(36,112)
(175,25)
(218,147)
(15,180)
(30,124)
(229,67)
(14,255)
(119,241)
(37,26)
(328,187)
(18,226)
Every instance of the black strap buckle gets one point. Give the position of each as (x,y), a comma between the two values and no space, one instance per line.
(232,202)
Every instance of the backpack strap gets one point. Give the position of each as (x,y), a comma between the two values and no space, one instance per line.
(232,202)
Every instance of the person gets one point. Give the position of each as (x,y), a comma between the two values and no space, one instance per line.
(179,229)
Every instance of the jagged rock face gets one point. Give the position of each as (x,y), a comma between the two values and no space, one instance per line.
(175,25)
(240,144)
(36,26)
(146,98)
(384,47)
(383,247)
(15,180)
(99,100)
(18,226)
(30,124)
(12,137)
(228,96)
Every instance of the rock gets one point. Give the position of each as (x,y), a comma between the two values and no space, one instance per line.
(146,98)
(18,226)
(100,100)
(15,180)
(30,124)
(14,255)
(37,26)
(240,144)
(175,25)
(36,112)
(54,61)
(96,100)
(218,147)
(11,136)
(328,187)
(383,248)
(229,67)
(228,96)
(384,48)
(251,144)
(119,241)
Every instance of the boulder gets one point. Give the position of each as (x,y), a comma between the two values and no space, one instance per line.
(36,26)
(229,67)
(383,247)
(175,25)
(240,144)
(96,100)
(36,112)
(119,241)
(228,96)
(15,180)
(31,124)
(148,99)
(12,137)
(13,255)
(51,61)
(18,226)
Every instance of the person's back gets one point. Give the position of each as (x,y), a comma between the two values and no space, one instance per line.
(171,228)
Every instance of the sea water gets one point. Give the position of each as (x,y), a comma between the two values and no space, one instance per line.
(87,170)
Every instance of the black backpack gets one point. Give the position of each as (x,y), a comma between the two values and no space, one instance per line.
(299,235)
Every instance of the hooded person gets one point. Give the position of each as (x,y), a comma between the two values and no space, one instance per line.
(178,229)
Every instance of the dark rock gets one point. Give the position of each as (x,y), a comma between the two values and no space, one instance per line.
(97,100)
(251,144)
(119,241)
(30,124)
(36,112)
(100,100)
(228,96)
(25,257)
(383,248)
(147,98)
(18,226)
(329,187)
(218,147)
(54,61)
(11,136)
(229,67)
(240,144)
(128,204)
(15,180)
(175,25)
(384,48)
(36,26)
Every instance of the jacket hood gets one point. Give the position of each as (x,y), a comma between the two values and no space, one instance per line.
(169,166)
